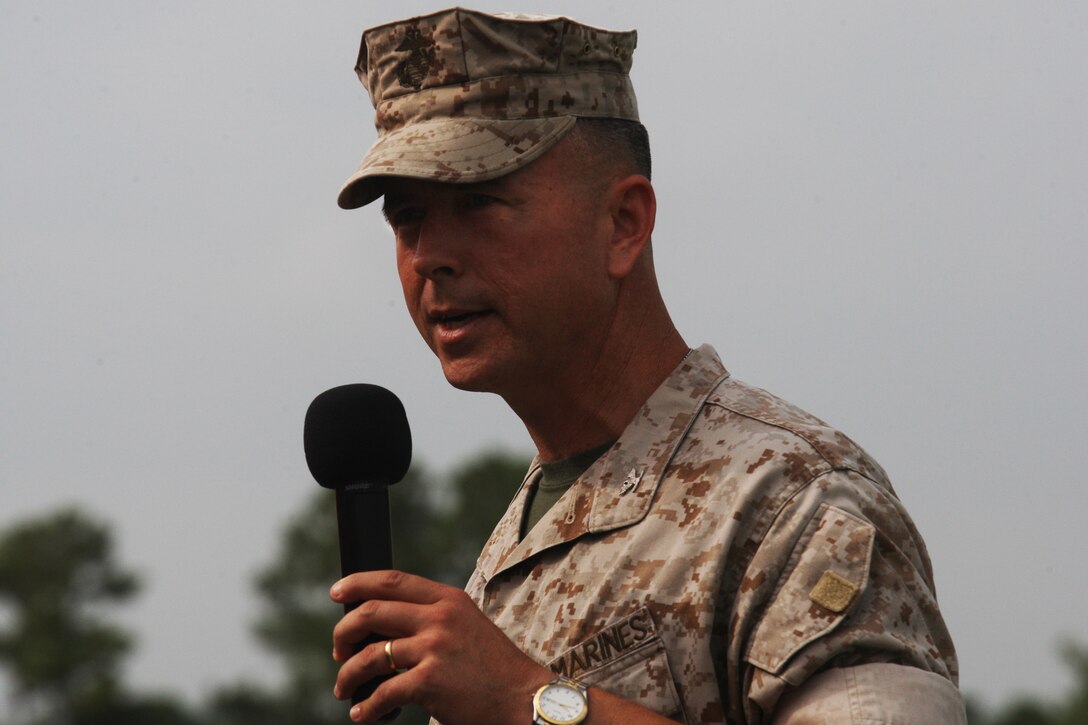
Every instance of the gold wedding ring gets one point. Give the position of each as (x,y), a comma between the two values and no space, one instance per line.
(389,655)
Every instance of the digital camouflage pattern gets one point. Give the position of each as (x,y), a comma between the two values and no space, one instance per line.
(463,96)
(727,549)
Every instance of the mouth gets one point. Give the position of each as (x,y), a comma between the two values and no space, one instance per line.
(456,319)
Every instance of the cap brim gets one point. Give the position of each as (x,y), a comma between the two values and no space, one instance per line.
(452,150)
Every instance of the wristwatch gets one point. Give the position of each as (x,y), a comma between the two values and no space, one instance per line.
(560,702)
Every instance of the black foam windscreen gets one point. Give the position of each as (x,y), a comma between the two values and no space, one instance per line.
(357,434)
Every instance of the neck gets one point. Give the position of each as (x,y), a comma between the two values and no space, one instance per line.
(595,397)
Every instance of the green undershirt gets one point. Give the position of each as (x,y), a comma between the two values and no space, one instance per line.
(554,480)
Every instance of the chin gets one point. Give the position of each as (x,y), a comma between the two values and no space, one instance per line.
(469,377)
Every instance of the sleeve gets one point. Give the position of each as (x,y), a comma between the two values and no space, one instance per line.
(871,694)
(849,621)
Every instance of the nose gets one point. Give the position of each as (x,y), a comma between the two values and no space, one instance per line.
(436,250)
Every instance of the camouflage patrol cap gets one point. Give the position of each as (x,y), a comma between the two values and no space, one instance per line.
(464,96)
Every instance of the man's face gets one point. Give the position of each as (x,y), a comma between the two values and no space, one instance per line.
(506,280)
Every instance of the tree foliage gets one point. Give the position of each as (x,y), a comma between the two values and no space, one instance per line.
(1072,709)
(58,574)
(438,530)
(479,492)
(63,656)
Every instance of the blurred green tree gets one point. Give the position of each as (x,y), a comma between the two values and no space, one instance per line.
(1072,709)
(478,493)
(294,625)
(1024,711)
(57,574)
(438,530)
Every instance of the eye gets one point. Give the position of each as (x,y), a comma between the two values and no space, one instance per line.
(478,201)
(403,216)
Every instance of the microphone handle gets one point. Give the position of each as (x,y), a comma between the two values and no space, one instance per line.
(366,544)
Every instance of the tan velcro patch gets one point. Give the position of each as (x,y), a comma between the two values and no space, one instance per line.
(833,592)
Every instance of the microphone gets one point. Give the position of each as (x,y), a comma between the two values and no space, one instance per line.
(357,443)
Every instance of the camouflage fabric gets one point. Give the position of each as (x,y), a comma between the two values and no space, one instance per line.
(730,559)
(463,96)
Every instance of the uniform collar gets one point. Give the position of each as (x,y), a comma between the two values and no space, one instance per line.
(619,487)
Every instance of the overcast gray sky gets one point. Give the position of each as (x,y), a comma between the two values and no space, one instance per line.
(875,210)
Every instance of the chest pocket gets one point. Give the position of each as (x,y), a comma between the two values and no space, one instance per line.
(628,659)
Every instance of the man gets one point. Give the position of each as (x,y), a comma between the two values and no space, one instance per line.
(684,546)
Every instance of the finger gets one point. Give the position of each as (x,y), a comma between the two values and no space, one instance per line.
(374,661)
(377,619)
(395,692)
(390,584)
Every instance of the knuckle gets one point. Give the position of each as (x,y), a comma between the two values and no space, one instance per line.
(444,620)
(375,657)
(392,579)
(456,600)
(341,633)
(369,608)
(346,631)
(431,640)
(427,687)
(448,610)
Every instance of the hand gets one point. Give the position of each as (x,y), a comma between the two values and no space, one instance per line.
(454,662)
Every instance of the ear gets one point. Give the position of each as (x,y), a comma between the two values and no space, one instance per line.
(633,206)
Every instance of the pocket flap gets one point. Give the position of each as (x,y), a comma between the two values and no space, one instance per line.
(827,573)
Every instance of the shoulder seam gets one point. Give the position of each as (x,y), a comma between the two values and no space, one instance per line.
(782,426)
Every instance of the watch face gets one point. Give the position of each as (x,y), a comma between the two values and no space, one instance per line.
(560,704)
